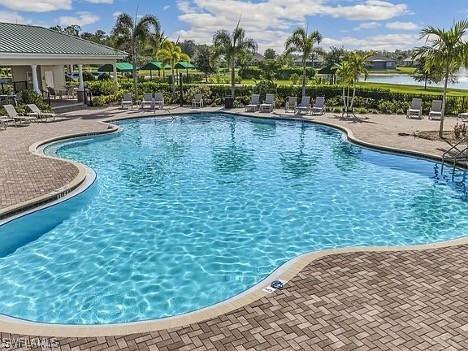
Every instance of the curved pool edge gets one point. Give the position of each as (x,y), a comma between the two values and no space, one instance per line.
(285,273)
(37,149)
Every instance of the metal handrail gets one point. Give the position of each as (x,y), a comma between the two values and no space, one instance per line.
(454,147)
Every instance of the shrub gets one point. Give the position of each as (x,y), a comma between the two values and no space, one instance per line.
(103,87)
(294,78)
(31,97)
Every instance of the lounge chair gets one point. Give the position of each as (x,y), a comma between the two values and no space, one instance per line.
(291,104)
(319,106)
(19,119)
(304,106)
(268,104)
(159,100)
(436,110)
(415,111)
(4,121)
(36,112)
(197,101)
(127,100)
(254,103)
(147,100)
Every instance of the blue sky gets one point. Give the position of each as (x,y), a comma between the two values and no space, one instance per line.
(369,24)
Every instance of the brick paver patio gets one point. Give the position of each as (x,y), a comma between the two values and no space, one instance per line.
(404,300)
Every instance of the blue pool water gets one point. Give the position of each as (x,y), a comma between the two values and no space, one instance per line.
(187,212)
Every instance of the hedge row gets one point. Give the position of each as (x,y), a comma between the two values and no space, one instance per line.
(381,100)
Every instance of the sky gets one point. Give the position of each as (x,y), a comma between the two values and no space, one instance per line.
(363,24)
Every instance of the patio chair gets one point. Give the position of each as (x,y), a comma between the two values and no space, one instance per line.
(436,110)
(147,100)
(36,112)
(127,100)
(291,104)
(319,106)
(415,111)
(268,104)
(159,100)
(18,119)
(197,101)
(254,103)
(304,106)
(4,121)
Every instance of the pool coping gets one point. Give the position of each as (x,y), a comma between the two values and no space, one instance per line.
(284,273)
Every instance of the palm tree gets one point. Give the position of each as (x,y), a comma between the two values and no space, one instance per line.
(349,71)
(171,53)
(448,50)
(230,45)
(303,42)
(132,36)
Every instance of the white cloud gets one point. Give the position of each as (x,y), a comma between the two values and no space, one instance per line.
(101,1)
(116,14)
(271,21)
(37,5)
(391,41)
(11,17)
(402,25)
(368,25)
(369,10)
(166,7)
(83,19)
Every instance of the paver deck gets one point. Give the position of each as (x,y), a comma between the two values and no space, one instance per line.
(404,300)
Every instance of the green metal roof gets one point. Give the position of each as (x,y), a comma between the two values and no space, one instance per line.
(26,39)
(120,67)
(155,66)
(184,65)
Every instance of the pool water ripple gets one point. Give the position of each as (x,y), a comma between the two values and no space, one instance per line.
(190,211)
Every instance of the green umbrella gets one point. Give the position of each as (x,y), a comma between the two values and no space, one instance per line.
(120,67)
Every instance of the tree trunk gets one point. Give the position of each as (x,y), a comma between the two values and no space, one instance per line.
(444,101)
(233,78)
(135,76)
(173,80)
(304,64)
(425,83)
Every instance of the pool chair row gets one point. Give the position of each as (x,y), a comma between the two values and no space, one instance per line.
(154,100)
(415,111)
(16,119)
(304,107)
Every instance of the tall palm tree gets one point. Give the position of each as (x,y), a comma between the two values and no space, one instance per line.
(349,71)
(448,50)
(132,36)
(303,42)
(230,45)
(171,53)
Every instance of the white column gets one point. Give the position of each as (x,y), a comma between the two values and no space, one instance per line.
(80,70)
(114,70)
(34,79)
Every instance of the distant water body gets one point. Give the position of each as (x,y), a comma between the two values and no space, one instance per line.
(462,80)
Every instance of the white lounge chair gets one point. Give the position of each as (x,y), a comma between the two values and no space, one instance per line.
(254,104)
(304,106)
(319,106)
(147,101)
(127,100)
(36,112)
(415,111)
(268,104)
(291,104)
(19,119)
(197,101)
(159,100)
(436,110)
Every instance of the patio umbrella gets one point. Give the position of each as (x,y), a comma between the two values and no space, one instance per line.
(184,65)
(121,67)
(154,66)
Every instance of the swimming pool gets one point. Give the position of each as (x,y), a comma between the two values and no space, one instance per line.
(189,211)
